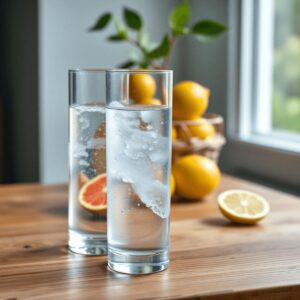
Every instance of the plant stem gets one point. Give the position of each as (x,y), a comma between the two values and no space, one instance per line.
(166,61)
(153,64)
(138,45)
(135,43)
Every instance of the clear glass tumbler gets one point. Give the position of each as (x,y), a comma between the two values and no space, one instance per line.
(138,126)
(87,162)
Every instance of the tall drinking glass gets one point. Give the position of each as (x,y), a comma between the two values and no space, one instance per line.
(87,162)
(138,122)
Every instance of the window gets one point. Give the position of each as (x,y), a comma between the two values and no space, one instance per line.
(263,116)
(286,66)
(270,74)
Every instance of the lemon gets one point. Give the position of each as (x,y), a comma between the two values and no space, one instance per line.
(242,206)
(195,176)
(203,130)
(172,185)
(174,133)
(141,86)
(190,100)
(149,101)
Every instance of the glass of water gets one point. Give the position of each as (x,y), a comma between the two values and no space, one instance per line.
(138,126)
(87,162)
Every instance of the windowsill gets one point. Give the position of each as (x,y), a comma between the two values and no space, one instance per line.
(277,141)
(257,156)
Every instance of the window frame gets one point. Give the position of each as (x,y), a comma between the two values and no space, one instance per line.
(270,155)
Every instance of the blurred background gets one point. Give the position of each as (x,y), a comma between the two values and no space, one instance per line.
(253,72)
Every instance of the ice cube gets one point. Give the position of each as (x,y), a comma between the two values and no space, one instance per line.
(79,150)
(84,123)
(154,195)
(116,104)
(96,143)
(135,149)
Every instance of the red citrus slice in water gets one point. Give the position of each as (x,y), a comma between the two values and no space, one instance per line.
(92,195)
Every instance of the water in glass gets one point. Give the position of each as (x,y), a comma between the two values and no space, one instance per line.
(87,228)
(138,165)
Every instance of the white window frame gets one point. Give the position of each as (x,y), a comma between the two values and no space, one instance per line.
(252,146)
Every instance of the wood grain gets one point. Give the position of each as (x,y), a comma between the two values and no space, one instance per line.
(210,257)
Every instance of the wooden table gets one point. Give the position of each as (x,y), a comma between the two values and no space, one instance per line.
(210,257)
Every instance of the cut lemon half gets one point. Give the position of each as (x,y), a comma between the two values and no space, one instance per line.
(242,206)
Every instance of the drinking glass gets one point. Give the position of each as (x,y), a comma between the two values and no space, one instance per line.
(87,162)
(138,126)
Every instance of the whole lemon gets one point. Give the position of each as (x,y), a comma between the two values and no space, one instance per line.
(149,101)
(203,130)
(172,185)
(174,133)
(195,176)
(190,100)
(141,86)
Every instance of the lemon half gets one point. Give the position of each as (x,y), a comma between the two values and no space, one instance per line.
(243,207)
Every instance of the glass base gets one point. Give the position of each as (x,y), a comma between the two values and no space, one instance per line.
(137,262)
(87,244)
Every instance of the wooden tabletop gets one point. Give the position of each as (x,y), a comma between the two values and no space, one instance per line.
(210,257)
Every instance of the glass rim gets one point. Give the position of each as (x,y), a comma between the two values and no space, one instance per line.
(131,71)
(140,71)
(87,70)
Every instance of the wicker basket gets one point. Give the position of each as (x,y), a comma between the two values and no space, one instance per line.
(210,147)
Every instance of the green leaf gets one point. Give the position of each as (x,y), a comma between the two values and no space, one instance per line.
(206,30)
(132,19)
(102,22)
(161,50)
(144,65)
(117,37)
(135,55)
(120,27)
(127,64)
(143,39)
(182,31)
(139,58)
(179,18)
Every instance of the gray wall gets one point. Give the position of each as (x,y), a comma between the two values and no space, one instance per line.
(64,43)
(206,63)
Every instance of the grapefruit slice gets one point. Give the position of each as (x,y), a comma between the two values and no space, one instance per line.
(92,195)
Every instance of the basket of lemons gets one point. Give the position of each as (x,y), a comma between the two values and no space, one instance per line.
(194,131)
(197,141)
